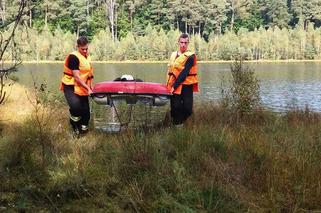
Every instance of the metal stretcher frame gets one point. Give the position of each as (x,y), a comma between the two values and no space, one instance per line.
(149,93)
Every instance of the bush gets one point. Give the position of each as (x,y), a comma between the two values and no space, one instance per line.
(243,94)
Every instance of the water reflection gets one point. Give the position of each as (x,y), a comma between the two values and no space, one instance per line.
(283,85)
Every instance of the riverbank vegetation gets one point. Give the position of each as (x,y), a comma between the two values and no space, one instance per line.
(232,156)
(260,162)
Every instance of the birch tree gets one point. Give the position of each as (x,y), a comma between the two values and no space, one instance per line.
(111,11)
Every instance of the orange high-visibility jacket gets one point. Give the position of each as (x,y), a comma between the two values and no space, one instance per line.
(176,65)
(86,74)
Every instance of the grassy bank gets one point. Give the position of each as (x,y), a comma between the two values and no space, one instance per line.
(219,162)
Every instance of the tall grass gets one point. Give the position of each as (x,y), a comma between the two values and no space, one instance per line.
(265,162)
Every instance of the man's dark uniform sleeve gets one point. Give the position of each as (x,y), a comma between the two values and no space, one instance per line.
(73,62)
(185,72)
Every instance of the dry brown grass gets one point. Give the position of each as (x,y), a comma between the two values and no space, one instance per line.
(17,107)
(21,105)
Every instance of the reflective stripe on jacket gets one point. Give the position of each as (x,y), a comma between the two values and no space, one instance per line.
(85,74)
(176,65)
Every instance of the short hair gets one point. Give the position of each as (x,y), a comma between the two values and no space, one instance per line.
(183,35)
(82,40)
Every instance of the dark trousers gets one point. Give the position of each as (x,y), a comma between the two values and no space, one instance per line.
(78,107)
(182,105)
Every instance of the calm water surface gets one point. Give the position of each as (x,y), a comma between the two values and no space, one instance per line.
(283,85)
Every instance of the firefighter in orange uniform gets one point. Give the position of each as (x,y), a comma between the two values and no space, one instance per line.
(76,83)
(182,80)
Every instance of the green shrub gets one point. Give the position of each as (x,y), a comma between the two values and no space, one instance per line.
(243,94)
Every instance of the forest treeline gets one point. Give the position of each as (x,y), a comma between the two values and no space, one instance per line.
(261,44)
(203,17)
(148,30)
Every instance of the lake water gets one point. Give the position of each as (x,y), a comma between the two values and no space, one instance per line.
(283,85)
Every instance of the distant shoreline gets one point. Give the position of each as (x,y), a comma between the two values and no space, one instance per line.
(161,62)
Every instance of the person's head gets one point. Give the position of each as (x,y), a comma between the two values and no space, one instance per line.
(183,41)
(82,45)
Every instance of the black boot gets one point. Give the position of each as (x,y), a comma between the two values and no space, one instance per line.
(75,127)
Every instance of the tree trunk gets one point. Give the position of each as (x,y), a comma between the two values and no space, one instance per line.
(3,10)
(232,20)
(30,18)
(306,23)
(46,16)
(205,22)
(87,8)
(218,28)
(116,23)
(78,31)
(131,21)
(87,13)
(110,7)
